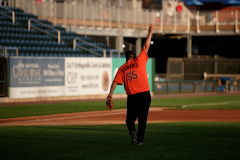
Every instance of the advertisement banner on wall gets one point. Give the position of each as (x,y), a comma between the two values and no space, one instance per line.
(87,76)
(36,77)
(52,77)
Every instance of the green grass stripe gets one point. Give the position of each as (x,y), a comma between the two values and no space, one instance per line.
(71,107)
(181,101)
(219,105)
(165,141)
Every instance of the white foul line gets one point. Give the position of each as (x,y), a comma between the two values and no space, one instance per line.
(205,104)
(65,118)
(70,117)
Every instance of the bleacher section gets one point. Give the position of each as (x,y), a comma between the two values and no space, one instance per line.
(34,43)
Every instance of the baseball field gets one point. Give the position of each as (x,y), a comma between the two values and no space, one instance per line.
(184,128)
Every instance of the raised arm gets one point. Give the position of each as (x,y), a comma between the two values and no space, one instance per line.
(148,40)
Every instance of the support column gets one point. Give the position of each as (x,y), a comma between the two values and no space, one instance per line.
(45,10)
(189,45)
(215,64)
(119,38)
(119,43)
(138,46)
(16,4)
(107,39)
(51,9)
(198,29)
(134,4)
(236,21)
(65,13)
(217,30)
(74,13)
(55,12)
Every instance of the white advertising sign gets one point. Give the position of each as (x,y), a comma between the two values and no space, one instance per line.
(87,76)
(33,92)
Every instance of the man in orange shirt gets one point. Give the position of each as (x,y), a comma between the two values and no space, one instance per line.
(134,76)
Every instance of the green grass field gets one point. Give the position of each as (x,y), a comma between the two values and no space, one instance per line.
(163,141)
(71,107)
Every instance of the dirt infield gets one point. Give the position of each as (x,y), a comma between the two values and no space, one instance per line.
(156,114)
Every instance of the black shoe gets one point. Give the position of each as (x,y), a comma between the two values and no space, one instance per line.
(134,139)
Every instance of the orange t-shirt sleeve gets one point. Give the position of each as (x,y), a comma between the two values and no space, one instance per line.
(119,77)
(142,57)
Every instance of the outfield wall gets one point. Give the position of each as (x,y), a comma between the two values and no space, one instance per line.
(39,77)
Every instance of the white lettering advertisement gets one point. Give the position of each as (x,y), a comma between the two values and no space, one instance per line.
(36,77)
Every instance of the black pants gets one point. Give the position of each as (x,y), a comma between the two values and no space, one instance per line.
(137,107)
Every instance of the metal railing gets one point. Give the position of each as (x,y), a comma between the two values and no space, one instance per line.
(207,75)
(113,52)
(195,86)
(8,51)
(11,17)
(39,29)
(90,44)
(101,16)
(194,68)
(232,86)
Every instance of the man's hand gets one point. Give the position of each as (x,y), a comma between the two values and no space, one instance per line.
(109,102)
(109,97)
(151,28)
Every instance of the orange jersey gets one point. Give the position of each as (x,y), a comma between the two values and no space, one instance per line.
(134,75)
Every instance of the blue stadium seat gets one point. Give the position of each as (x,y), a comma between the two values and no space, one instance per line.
(32,54)
(46,54)
(20,54)
(47,49)
(29,48)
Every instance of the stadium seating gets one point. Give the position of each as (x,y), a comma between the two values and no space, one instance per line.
(34,43)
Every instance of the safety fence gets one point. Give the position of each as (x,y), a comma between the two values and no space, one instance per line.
(99,16)
(8,51)
(188,69)
(196,86)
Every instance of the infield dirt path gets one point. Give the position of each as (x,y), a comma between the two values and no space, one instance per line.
(156,114)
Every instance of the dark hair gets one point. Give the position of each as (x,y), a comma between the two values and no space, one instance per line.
(127,54)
